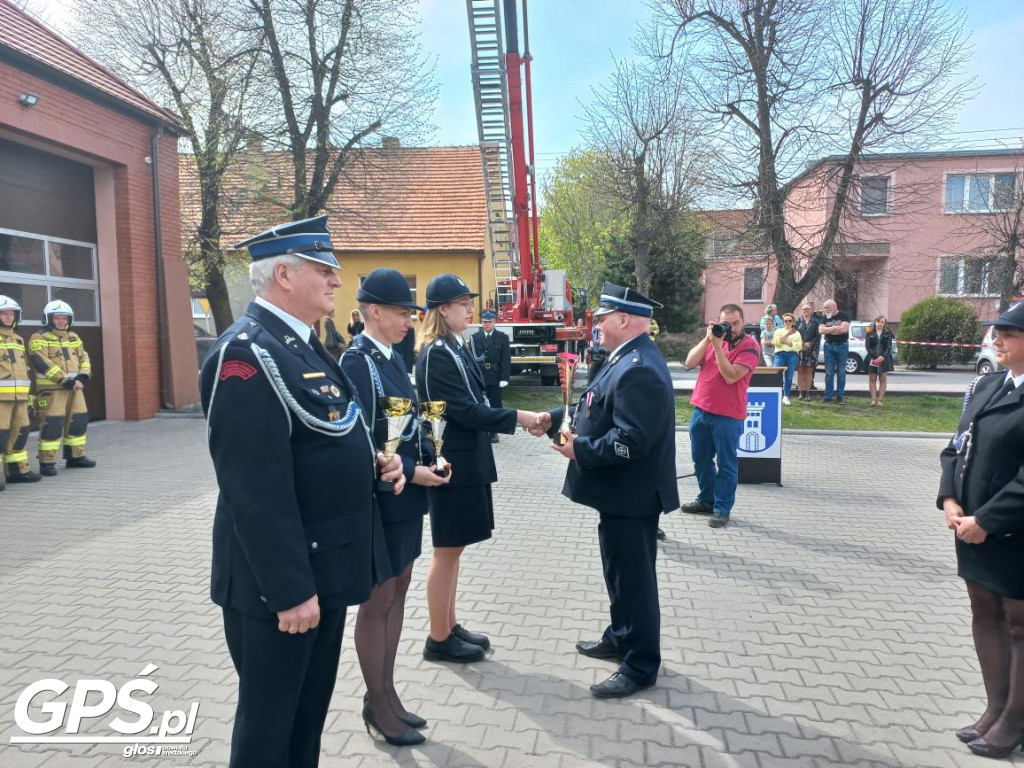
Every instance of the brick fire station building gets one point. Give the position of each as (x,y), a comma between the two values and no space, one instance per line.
(89,214)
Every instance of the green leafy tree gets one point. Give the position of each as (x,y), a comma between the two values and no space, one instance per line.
(938,319)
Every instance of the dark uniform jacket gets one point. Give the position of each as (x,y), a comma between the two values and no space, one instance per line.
(295,465)
(493,355)
(983,465)
(446,370)
(375,376)
(626,450)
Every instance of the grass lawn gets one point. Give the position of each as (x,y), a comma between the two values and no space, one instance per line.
(919,413)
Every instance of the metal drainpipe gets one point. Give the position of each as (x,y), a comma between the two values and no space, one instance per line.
(163,352)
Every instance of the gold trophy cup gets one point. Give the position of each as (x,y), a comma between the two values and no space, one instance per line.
(567,365)
(432,414)
(397,415)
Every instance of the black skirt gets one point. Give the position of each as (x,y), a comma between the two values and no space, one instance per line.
(995,564)
(460,516)
(404,541)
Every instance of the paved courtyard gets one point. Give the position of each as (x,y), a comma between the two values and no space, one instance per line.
(825,627)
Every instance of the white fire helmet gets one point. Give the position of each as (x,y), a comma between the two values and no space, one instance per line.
(6,302)
(58,308)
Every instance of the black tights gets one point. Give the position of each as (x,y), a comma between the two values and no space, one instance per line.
(998,626)
(378,629)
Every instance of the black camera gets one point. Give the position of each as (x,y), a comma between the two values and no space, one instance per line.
(722,331)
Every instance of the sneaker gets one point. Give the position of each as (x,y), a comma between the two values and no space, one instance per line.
(840,400)
(718,521)
(785,400)
(826,400)
(697,507)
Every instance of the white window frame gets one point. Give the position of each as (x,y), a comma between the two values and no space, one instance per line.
(743,288)
(888,195)
(962,260)
(48,282)
(990,207)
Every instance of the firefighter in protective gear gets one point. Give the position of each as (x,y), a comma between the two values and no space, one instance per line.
(14,393)
(62,371)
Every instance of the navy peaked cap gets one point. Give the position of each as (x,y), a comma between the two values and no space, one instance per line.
(1012,318)
(307,238)
(616,298)
(386,286)
(445,288)
(488,314)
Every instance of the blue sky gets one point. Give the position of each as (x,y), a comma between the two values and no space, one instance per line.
(573,43)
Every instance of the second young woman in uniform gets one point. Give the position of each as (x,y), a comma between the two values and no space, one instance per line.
(377,370)
(461,513)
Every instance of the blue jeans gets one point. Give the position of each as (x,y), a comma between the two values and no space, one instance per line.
(788,361)
(835,362)
(713,436)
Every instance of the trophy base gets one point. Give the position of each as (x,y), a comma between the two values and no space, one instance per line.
(561,438)
(384,486)
(443,471)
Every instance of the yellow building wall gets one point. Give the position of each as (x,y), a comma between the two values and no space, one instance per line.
(472,266)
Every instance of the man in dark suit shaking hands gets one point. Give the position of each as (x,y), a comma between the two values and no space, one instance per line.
(289,551)
(493,353)
(622,449)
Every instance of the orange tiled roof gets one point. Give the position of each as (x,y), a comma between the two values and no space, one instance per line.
(25,35)
(734,220)
(408,199)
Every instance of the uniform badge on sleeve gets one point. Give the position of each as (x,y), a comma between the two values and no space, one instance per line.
(236,368)
(622,450)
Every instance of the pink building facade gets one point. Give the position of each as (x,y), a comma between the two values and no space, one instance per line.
(920,225)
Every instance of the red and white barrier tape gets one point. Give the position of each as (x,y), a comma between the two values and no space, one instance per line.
(937,343)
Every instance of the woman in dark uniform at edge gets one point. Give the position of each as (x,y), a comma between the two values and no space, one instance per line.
(376,369)
(461,513)
(982,494)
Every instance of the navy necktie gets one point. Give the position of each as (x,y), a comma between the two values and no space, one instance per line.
(1006,389)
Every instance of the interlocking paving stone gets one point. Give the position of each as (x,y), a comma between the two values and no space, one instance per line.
(816,630)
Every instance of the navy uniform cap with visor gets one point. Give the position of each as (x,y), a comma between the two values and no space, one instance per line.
(445,288)
(616,298)
(388,287)
(1012,318)
(488,314)
(307,239)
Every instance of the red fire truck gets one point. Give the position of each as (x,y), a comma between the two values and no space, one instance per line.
(534,305)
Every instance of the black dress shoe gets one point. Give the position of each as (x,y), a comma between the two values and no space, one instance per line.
(970,733)
(407,738)
(48,470)
(696,507)
(473,638)
(616,687)
(981,747)
(660,535)
(80,462)
(494,439)
(452,649)
(598,650)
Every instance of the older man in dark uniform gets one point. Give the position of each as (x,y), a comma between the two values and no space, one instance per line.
(289,552)
(493,352)
(622,449)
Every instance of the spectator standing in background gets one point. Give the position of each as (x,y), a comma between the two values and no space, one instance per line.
(787,350)
(771,311)
(767,340)
(334,342)
(835,330)
(878,345)
(356,326)
(810,343)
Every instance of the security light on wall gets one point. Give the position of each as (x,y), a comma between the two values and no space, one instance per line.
(28,100)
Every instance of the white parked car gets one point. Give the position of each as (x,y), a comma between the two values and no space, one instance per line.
(856,357)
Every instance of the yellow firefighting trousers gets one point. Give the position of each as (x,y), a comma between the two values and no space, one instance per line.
(63,417)
(14,426)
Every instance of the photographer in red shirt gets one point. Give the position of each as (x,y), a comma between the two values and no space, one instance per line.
(727,357)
